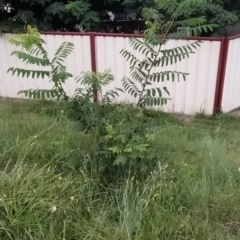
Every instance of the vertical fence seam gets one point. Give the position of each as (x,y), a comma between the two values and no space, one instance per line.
(93,61)
(222,64)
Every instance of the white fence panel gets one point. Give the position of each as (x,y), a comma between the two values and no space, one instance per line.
(1,72)
(231,90)
(196,94)
(79,60)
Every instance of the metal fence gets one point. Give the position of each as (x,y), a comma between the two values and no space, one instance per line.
(202,91)
(79,61)
(231,89)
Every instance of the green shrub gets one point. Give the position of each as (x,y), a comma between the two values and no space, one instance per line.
(123,135)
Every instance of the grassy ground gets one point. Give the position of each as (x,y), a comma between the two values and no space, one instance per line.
(194,193)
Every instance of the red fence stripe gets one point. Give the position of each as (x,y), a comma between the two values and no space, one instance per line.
(98,34)
(221,74)
(234,37)
(65,33)
(93,61)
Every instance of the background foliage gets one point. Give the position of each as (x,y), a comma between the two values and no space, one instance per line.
(72,15)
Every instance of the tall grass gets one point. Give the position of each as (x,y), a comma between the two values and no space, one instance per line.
(193,193)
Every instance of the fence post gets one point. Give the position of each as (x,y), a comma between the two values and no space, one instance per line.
(221,74)
(93,61)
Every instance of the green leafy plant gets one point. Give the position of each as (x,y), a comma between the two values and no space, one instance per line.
(81,10)
(217,12)
(147,71)
(122,132)
(85,107)
(121,139)
(32,52)
(94,83)
(124,144)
